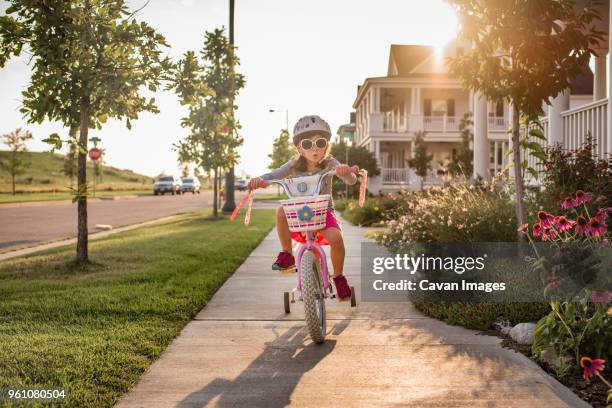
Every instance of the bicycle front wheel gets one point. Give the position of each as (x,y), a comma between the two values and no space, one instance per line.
(314,300)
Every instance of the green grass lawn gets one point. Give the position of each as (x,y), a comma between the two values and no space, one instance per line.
(96,330)
(64,195)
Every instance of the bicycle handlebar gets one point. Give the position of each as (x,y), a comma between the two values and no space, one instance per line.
(354,169)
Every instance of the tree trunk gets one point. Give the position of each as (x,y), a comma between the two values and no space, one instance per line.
(215,196)
(71,151)
(82,256)
(13,181)
(518,176)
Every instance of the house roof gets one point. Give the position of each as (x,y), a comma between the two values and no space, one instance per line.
(403,58)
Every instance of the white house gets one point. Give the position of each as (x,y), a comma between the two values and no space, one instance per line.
(419,94)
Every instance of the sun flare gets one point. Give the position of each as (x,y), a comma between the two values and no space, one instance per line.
(445,27)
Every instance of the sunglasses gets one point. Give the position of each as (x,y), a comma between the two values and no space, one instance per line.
(308,144)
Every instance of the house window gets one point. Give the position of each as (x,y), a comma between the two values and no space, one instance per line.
(427,107)
(450,107)
(499,109)
(439,107)
(496,109)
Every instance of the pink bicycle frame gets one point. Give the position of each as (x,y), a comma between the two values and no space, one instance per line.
(310,244)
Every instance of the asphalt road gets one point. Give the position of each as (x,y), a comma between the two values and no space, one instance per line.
(29,224)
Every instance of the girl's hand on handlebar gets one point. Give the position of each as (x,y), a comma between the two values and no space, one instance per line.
(344,169)
(256,183)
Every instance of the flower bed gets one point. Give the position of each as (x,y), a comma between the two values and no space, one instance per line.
(578,328)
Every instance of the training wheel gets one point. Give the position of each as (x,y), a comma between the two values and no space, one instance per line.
(353,299)
(286,302)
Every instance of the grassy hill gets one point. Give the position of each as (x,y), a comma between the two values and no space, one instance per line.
(45,174)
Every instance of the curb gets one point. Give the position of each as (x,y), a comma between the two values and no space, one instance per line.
(92,237)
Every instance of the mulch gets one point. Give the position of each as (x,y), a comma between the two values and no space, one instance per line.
(593,392)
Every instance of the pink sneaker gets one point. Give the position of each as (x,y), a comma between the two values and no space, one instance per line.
(284,261)
(343,290)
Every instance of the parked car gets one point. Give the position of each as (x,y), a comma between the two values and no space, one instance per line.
(191,185)
(167,184)
(240,185)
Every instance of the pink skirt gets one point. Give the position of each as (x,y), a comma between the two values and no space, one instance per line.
(330,222)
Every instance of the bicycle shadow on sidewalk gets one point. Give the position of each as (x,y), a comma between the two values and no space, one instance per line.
(270,379)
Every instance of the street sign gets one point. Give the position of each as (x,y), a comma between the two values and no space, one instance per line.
(95,153)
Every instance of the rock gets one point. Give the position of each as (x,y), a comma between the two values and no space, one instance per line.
(522,333)
(503,326)
(550,357)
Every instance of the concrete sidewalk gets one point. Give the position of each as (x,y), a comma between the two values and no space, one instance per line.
(243,351)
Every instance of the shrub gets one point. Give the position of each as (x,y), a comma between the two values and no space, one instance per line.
(374,210)
(367,215)
(482,315)
(454,213)
(480,212)
(340,204)
(569,170)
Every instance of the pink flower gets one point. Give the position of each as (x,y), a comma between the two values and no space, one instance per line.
(602,214)
(581,225)
(523,228)
(568,203)
(604,243)
(591,367)
(545,219)
(548,233)
(581,197)
(563,223)
(596,228)
(601,297)
(537,229)
(553,282)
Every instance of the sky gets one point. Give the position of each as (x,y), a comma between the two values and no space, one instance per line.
(307,57)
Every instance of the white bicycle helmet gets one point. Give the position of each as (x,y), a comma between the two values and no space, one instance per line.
(310,125)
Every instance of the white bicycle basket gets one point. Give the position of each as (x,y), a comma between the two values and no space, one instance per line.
(306,213)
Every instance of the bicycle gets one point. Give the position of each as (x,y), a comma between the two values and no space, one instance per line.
(306,211)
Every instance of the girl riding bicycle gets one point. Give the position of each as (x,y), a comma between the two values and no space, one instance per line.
(311,136)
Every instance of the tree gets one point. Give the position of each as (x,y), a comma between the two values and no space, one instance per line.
(354,156)
(91,60)
(461,164)
(524,52)
(282,151)
(70,159)
(421,162)
(184,170)
(16,162)
(209,88)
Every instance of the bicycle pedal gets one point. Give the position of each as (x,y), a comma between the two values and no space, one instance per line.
(288,271)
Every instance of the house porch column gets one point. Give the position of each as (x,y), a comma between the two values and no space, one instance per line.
(608,147)
(559,104)
(481,140)
(599,77)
